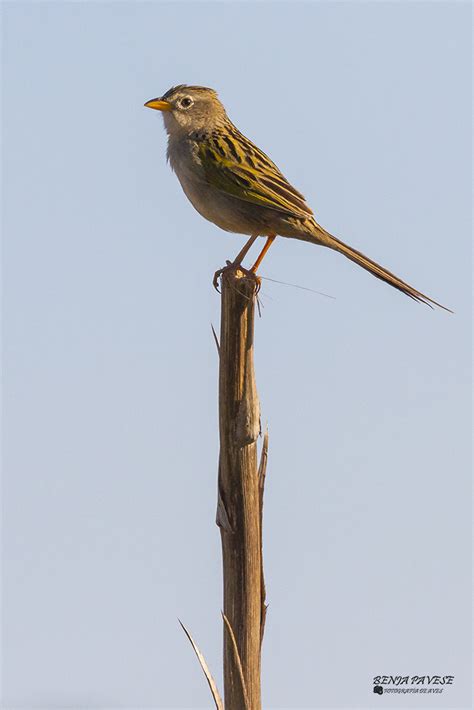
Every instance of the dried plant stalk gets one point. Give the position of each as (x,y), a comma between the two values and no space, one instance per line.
(240,498)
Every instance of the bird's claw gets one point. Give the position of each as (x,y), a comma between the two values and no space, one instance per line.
(218,274)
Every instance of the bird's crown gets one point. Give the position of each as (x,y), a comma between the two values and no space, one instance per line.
(202,91)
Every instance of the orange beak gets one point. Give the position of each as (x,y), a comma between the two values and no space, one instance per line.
(159,105)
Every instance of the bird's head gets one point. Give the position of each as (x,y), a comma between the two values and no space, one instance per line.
(189,108)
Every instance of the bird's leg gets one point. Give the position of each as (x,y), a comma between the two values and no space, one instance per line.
(237,261)
(243,252)
(270,239)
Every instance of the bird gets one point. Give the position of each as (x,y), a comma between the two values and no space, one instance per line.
(235,185)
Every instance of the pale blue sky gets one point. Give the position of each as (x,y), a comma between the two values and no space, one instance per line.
(110,369)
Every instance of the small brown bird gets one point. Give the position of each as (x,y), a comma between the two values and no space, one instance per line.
(233,184)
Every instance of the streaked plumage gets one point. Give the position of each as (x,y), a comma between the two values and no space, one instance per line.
(233,184)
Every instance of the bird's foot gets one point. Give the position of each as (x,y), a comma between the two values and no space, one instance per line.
(236,267)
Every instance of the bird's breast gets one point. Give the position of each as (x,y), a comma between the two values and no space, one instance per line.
(227,212)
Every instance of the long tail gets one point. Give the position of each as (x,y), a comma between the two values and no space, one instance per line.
(328,240)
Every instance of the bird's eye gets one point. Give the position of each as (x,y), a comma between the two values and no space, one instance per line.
(187,102)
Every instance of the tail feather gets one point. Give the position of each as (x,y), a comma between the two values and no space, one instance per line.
(375,269)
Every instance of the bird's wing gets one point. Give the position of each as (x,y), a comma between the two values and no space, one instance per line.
(235,166)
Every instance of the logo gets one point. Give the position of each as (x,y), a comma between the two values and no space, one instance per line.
(406,684)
